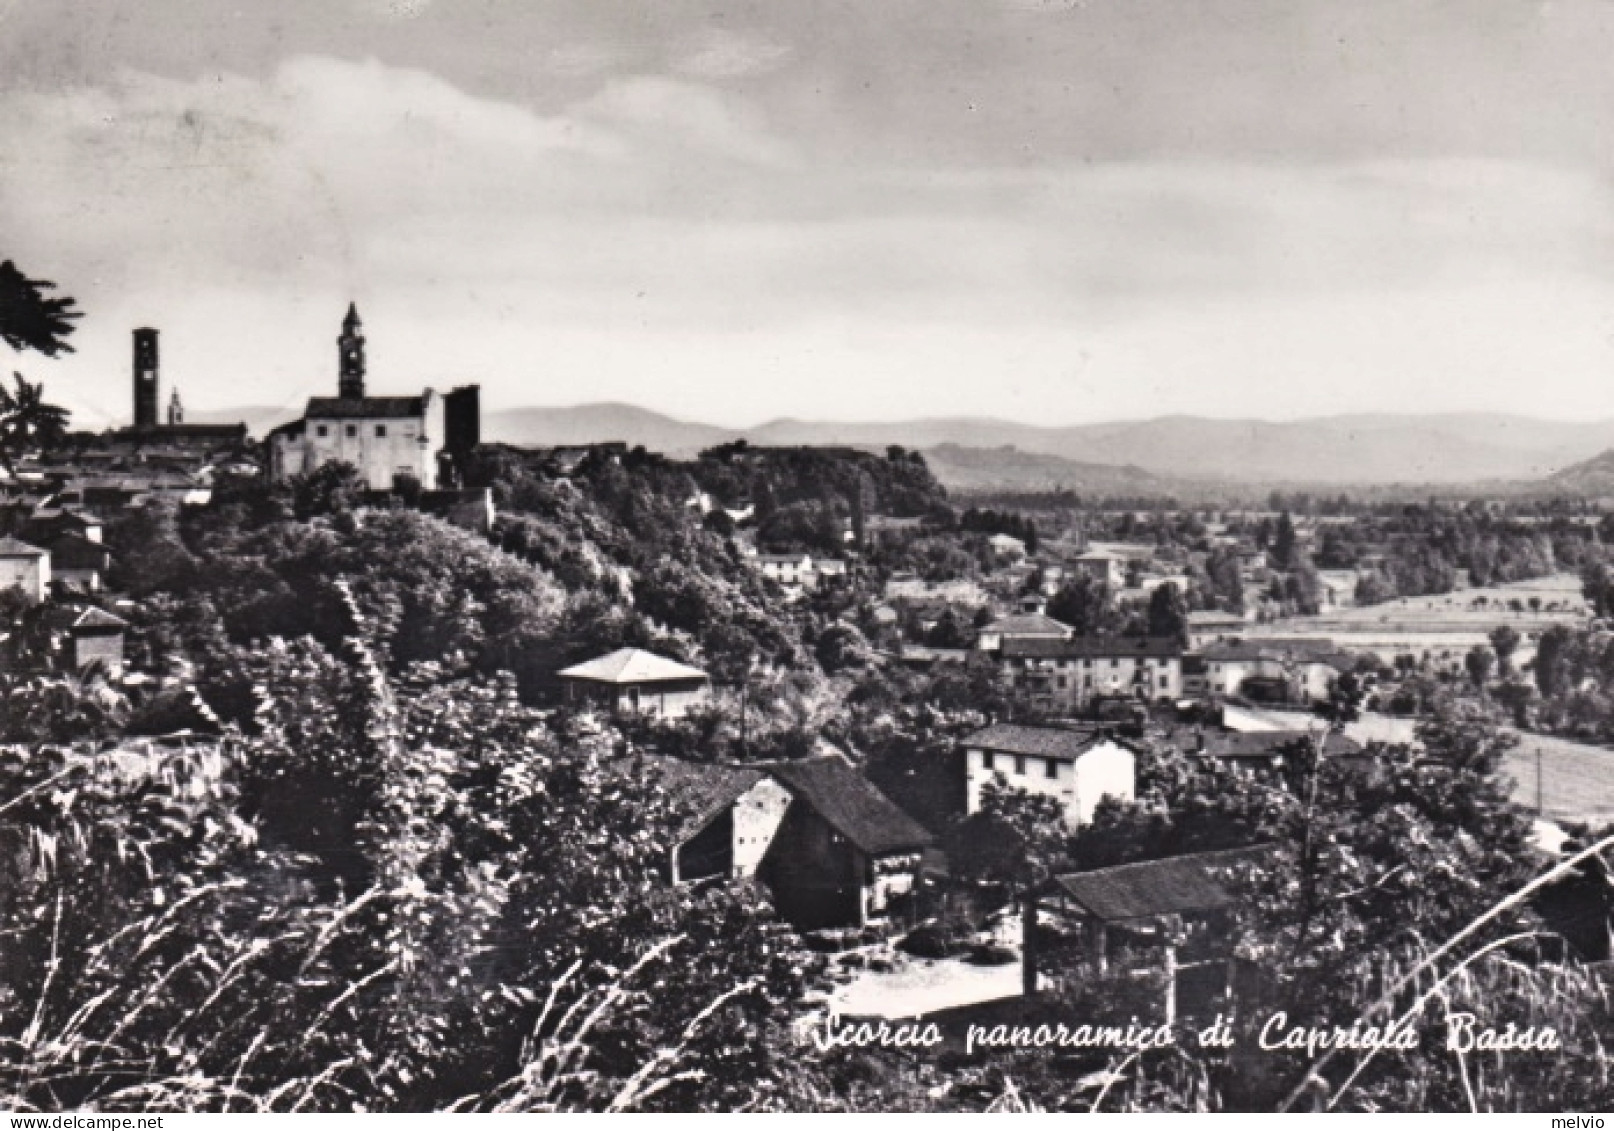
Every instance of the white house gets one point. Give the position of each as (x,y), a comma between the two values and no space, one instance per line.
(1300,670)
(786,569)
(633,681)
(1007,547)
(25,567)
(1064,674)
(1207,626)
(1078,768)
(1020,626)
(1102,565)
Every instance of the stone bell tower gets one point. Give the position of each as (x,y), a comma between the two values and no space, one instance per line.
(145,378)
(350,347)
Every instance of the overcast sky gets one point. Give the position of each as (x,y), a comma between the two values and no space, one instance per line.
(1045,210)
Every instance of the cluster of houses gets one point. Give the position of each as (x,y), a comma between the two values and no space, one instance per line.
(59,570)
(833,849)
(1051,668)
(795,573)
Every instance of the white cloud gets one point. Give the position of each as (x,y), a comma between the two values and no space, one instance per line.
(659,241)
(719,53)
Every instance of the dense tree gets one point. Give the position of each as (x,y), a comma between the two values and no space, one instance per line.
(1168,617)
(30,318)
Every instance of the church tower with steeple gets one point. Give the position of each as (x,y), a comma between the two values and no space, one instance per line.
(350,347)
(412,442)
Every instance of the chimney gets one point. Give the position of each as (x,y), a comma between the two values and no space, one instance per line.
(145,378)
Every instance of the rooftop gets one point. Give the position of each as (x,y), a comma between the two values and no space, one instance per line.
(699,791)
(1040,741)
(15,548)
(1028,624)
(1300,650)
(364,408)
(1173,886)
(632,665)
(1082,647)
(1213,616)
(851,804)
(1264,743)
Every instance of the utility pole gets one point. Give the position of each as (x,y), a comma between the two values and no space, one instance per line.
(1540,811)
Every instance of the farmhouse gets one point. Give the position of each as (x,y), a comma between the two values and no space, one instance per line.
(1007,547)
(1171,913)
(1261,750)
(1275,670)
(830,847)
(1067,674)
(1077,768)
(77,561)
(633,681)
(786,569)
(1101,565)
(728,816)
(844,852)
(1207,626)
(1020,626)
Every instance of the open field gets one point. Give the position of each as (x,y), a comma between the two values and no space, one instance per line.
(1444,625)
(1577,781)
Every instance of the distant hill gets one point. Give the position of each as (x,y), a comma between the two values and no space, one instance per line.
(1384,448)
(1366,449)
(1009,469)
(1457,448)
(1592,478)
(600,423)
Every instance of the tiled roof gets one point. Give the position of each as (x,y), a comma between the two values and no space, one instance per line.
(1173,886)
(1213,616)
(632,665)
(1084,647)
(1301,650)
(851,805)
(15,548)
(364,408)
(1042,742)
(1265,743)
(99,618)
(699,791)
(1028,624)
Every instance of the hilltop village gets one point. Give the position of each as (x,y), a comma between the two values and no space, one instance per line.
(492,717)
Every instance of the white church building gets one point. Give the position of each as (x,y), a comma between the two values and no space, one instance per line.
(390,440)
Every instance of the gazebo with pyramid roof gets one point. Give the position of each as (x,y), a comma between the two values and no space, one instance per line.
(635,681)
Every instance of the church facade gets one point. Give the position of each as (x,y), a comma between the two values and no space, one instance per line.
(390,440)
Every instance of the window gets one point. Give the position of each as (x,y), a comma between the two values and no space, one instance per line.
(380,429)
(1053,768)
(1164,682)
(986,760)
(352,430)
(1020,763)
(321,430)
(1115,663)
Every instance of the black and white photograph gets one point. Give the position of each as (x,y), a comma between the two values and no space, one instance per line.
(785,556)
